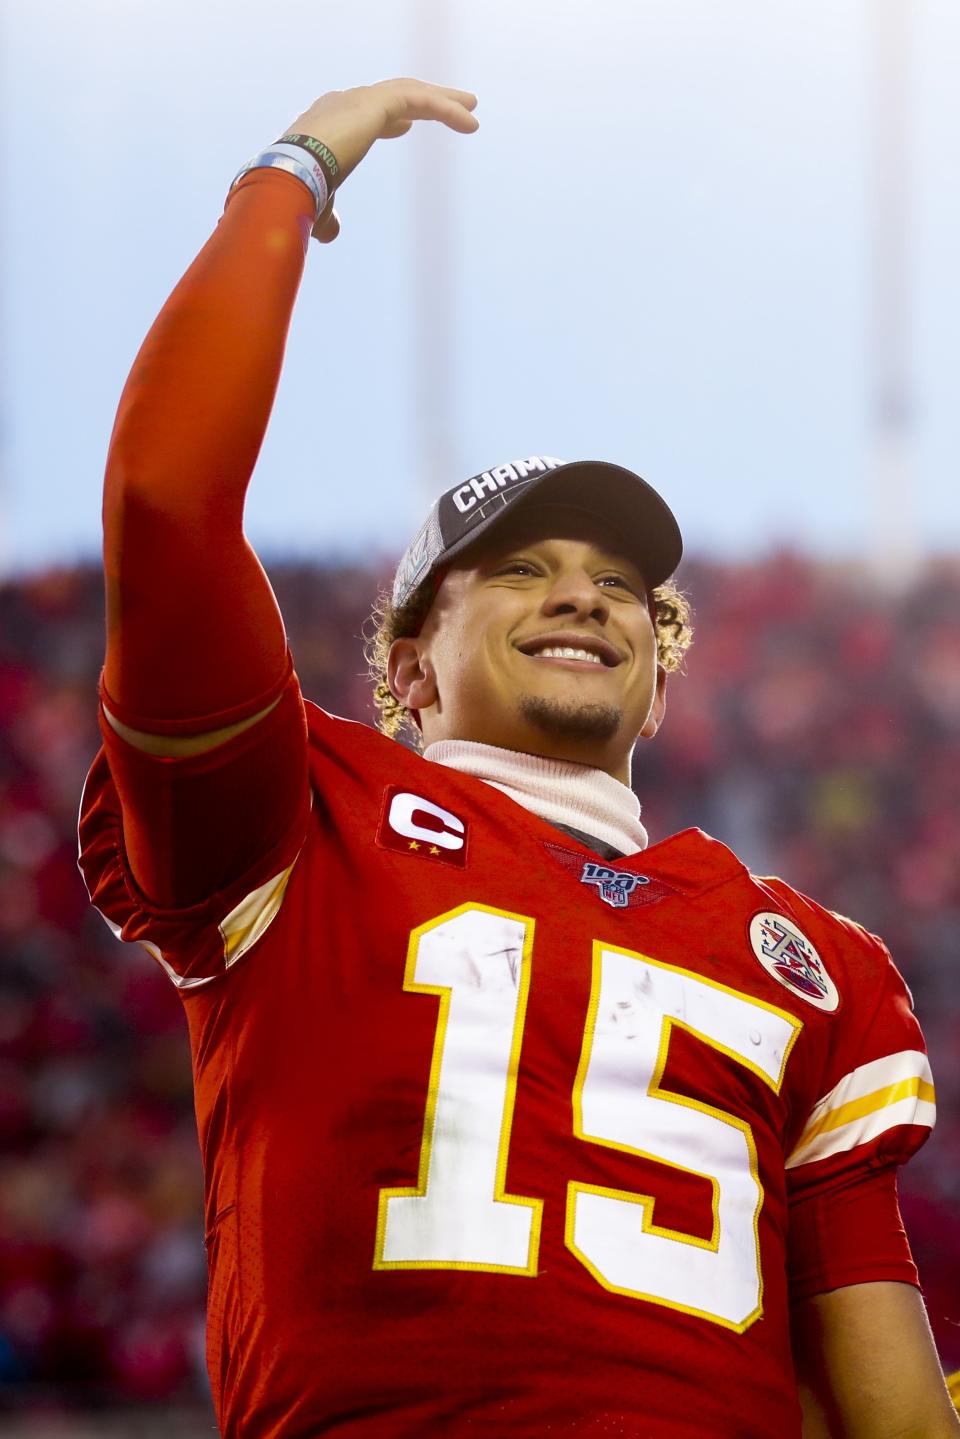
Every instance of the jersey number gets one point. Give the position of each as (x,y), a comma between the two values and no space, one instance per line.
(459,1214)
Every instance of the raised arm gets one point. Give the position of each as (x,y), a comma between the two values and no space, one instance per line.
(196,649)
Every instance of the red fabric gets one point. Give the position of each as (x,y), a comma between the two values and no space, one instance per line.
(850,1232)
(193,826)
(314,1050)
(844,1217)
(195,640)
(312,1059)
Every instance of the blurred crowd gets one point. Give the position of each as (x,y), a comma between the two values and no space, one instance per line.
(816,730)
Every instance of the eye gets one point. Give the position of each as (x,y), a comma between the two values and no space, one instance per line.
(516,567)
(619,582)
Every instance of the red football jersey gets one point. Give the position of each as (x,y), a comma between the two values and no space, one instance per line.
(503,1139)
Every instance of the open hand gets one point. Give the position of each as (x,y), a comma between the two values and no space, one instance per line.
(349,121)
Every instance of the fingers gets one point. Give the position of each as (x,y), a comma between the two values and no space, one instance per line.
(466,98)
(455,108)
(407,99)
(459,116)
(348,122)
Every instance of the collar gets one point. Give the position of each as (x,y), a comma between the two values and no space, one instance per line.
(557,791)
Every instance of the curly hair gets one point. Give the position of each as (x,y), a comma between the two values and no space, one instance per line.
(669,608)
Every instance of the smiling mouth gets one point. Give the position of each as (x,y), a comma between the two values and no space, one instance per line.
(580,652)
(581,658)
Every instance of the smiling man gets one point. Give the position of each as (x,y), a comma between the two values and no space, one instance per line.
(542,633)
(512,1123)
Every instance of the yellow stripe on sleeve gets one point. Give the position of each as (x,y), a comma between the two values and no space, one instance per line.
(247,921)
(879,1099)
(894,1090)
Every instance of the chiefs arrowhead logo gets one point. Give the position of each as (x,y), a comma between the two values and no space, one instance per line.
(786,953)
(411,824)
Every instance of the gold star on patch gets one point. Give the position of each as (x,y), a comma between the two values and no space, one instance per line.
(413,844)
(433,849)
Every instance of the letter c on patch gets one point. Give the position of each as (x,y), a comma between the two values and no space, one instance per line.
(405,809)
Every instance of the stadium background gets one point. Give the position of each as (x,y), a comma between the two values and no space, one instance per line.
(714,242)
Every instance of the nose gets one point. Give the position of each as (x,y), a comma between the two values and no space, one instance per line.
(574,593)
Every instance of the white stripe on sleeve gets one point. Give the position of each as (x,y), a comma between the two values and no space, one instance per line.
(897,1089)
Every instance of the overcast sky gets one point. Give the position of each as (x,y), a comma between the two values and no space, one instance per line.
(660,248)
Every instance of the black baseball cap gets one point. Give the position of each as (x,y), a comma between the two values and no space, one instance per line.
(462,514)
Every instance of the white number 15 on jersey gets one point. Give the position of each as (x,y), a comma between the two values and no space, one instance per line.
(459,1215)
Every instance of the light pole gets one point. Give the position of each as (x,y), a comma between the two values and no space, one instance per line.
(435,343)
(893,545)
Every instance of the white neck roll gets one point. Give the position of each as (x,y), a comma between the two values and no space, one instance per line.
(558,791)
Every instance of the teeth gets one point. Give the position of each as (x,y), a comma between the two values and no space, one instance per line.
(567,652)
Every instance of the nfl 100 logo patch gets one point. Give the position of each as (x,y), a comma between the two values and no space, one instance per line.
(619,888)
(792,959)
(615,886)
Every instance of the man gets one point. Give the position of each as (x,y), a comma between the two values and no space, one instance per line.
(511,1124)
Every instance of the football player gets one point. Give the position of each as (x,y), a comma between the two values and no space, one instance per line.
(512,1122)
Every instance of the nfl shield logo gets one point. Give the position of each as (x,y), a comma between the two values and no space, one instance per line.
(613,885)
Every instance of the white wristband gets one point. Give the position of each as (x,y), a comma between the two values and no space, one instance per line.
(295,161)
(303,157)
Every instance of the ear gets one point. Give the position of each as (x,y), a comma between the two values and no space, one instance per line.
(654,719)
(410,675)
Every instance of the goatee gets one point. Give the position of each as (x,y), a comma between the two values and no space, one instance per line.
(570,720)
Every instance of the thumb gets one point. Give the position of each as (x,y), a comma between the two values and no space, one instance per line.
(396,129)
(327,227)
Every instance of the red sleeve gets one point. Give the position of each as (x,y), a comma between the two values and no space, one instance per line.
(195,825)
(876,1108)
(195,640)
(848,1232)
(215,835)
(194,636)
